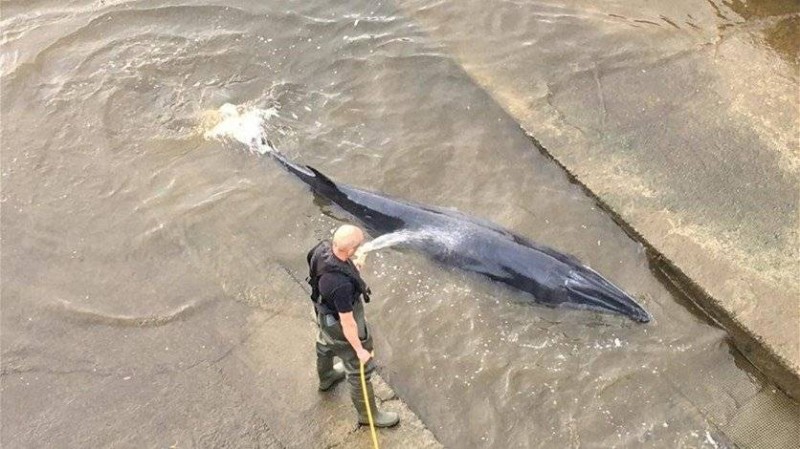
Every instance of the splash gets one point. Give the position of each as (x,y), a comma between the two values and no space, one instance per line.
(243,124)
(387,240)
(448,239)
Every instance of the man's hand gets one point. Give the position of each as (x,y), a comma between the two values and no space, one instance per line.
(358,259)
(363,355)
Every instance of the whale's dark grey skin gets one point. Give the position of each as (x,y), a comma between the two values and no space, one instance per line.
(553,278)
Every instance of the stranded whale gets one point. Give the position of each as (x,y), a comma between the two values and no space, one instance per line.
(552,278)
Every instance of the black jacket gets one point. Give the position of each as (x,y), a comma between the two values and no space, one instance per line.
(321,260)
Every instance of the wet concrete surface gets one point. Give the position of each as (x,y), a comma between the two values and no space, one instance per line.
(687,131)
(142,304)
(219,373)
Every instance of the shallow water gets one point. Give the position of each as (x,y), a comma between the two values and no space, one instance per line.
(107,172)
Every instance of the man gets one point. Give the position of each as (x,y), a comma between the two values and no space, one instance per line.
(337,291)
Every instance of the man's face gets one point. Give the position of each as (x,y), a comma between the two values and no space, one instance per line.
(355,248)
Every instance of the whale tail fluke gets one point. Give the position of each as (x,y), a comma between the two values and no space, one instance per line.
(309,175)
(592,291)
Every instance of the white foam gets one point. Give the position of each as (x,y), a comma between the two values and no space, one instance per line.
(244,124)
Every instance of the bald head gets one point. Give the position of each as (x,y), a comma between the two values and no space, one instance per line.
(346,240)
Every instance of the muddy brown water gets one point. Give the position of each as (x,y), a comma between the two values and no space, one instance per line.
(105,173)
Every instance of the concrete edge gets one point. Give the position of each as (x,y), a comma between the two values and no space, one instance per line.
(413,430)
(771,364)
(763,357)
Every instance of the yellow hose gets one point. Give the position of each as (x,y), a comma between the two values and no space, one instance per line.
(369,409)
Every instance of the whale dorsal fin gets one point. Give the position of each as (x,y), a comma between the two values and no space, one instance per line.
(324,179)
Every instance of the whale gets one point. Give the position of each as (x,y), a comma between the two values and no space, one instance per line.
(475,245)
